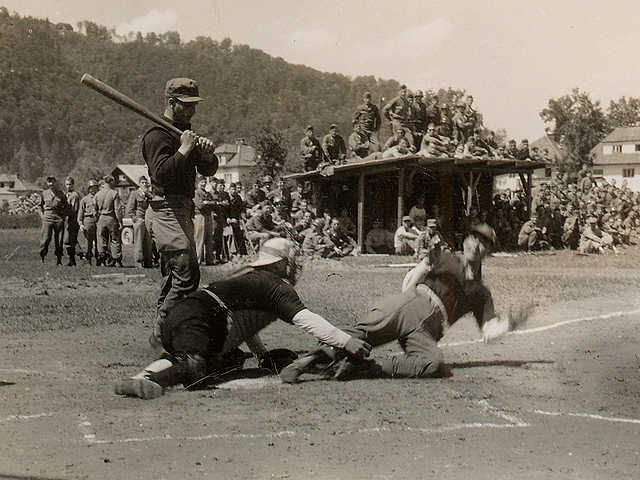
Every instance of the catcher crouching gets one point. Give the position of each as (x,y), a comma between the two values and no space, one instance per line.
(435,294)
(201,334)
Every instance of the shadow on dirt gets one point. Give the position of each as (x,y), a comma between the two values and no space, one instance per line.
(498,363)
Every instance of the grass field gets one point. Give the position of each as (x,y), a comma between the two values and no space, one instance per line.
(560,399)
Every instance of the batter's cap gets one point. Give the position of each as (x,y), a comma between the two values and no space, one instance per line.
(184,89)
(274,250)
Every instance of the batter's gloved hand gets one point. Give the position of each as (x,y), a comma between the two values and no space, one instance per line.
(358,347)
(276,360)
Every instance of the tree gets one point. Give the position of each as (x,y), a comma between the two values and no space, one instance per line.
(579,123)
(271,150)
(624,113)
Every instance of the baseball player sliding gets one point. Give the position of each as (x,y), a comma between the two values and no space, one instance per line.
(435,294)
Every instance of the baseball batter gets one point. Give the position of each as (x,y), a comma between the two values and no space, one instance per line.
(213,321)
(435,294)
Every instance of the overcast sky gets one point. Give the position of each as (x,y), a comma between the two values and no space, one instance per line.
(511,55)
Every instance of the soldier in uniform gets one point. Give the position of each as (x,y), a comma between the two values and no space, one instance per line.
(136,210)
(53,207)
(71,222)
(333,146)
(173,160)
(367,116)
(109,225)
(87,218)
(311,151)
(398,112)
(203,222)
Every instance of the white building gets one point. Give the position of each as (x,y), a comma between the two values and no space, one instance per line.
(617,157)
(235,161)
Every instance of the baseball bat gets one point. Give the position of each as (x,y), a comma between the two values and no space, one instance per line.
(116,96)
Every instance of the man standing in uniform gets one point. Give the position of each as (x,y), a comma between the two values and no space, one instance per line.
(173,160)
(71,222)
(203,222)
(110,211)
(435,294)
(53,207)
(87,218)
(368,117)
(215,320)
(136,210)
(398,112)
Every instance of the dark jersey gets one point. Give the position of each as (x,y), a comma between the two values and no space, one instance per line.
(459,295)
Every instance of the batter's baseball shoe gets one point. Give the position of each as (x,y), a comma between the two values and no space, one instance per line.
(139,387)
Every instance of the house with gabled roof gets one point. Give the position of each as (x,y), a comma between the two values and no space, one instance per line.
(235,161)
(617,157)
(12,187)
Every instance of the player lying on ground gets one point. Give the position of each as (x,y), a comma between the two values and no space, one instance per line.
(435,294)
(212,322)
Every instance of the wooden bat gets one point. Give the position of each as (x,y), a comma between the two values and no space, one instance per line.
(116,96)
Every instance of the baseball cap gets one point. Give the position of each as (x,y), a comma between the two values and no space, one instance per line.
(485,232)
(405,218)
(184,89)
(274,250)
(432,222)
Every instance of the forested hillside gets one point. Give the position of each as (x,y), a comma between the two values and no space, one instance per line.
(51,124)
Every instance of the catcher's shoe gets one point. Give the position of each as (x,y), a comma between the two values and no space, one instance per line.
(139,387)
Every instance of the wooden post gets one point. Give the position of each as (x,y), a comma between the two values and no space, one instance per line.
(361,212)
(400,195)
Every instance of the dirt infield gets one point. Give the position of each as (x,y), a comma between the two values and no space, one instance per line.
(558,399)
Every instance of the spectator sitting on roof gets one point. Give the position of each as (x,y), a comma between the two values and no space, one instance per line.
(359,145)
(433,145)
(512,150)
(403,148)
(405,239)
(394,139)
(333,146)
(523,151)
(311,151)
(461,124)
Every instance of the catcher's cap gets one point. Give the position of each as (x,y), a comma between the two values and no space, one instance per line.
(485,232)
(274,250)
(184,89)
(92,183)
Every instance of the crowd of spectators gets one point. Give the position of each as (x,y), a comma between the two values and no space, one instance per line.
(420,125)
(577,214)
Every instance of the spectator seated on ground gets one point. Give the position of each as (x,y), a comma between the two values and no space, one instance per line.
(532,236)
(405,241)
(433,145)
(302,226)
(594,240)
(400,150)
(571,228)
(343,244)
(347,224)
(378,240)
(316,242)
(260,226)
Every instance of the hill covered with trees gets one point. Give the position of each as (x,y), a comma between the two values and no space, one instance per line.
(51,124)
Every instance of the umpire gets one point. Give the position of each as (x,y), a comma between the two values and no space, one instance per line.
(173,160)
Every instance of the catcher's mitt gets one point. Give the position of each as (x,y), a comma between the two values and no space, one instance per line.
(276,360)
(519,314)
